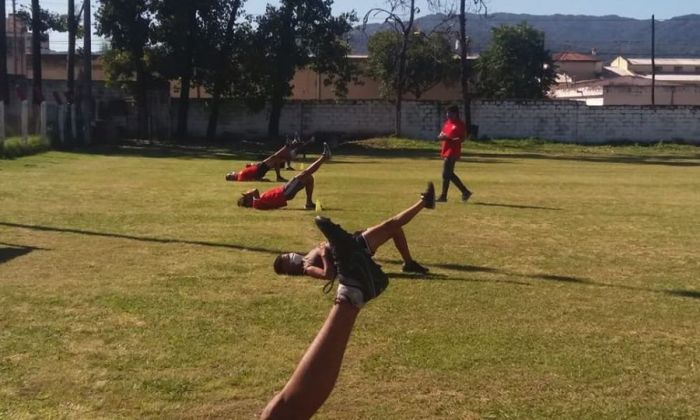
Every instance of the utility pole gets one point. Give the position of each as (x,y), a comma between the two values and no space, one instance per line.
(653,61)
(87,100)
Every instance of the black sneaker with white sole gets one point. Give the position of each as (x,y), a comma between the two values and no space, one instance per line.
(414,267)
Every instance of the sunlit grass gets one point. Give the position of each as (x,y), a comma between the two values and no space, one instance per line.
(132,286)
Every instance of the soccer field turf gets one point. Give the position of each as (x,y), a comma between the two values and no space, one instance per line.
(567,287)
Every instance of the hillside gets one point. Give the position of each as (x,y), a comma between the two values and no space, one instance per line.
(610,35)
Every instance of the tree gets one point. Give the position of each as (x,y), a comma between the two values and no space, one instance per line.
(41,21)
(516,65)
(4,82)
(297,34)
(178,34)
(465,70)
(428,62)
(225,46)
(126,23)
(396,9)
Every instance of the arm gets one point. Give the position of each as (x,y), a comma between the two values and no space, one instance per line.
(327,272)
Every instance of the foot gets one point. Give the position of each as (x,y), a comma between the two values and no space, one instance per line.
(281,179)
(326,151)
(414,267)
(309,206)
(361,279)
(289,168)
(428,196)
(231,176)
(441,199)
(466,195)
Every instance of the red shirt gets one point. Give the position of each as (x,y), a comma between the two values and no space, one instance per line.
(453,129)
(271,199)
(249,173)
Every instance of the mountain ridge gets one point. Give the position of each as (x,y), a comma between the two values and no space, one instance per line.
(610,35)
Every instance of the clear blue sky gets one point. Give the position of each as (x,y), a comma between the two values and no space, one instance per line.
(639,9)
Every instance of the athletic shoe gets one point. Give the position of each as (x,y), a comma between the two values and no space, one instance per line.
(414,267)
(428,196)
(231,176)
(466,195)
(309,206)
(280,179)
(361,279)
(326,151)
(441,199)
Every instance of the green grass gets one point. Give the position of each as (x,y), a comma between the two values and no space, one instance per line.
(14,147)
(132,286)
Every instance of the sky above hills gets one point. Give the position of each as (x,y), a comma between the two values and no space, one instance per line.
(638,9)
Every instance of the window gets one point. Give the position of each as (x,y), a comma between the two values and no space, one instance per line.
(678,69)
(658,69)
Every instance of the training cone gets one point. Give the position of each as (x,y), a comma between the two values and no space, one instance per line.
(318,206)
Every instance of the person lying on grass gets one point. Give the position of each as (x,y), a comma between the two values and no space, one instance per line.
(318,263)
(257,171)
(277,197)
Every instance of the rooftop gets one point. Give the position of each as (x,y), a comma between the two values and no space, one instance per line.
(574,56)
(665,61)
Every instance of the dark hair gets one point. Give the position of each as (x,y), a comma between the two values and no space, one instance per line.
(243,201)
(278,264)
(279,269)
(453,108)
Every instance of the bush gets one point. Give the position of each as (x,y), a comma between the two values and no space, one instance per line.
(14,147)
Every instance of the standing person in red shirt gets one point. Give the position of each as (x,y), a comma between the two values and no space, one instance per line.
(277,197)
(452,135)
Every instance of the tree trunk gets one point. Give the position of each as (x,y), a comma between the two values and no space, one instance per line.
(72,27)
(402,68)
(213,116)
(183,105)
(4,82)
(141,97)
(464,63)
(273,127)
(219,84)
(37,95)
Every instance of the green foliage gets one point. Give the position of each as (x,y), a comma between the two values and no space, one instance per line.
(49,21)
(516,65)
(429,61)
(14,147)
(295,35)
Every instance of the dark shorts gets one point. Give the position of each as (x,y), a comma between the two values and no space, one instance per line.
(292,187)
(362,242)
(262,170)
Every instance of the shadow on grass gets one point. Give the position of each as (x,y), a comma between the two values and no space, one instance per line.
(11,251)
(513,206)
(141,238)
(667,160)
(695,294)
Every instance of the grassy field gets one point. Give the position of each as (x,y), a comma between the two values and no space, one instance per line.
(568,287)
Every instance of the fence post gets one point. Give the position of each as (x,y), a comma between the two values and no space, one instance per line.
(62,123)
(2,122)
(24,118)
(42,121)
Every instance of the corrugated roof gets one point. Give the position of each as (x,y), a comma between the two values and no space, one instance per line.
(665,61)
(680,78)
(574,56)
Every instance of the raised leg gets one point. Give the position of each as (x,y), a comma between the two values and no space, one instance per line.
(377,235)
(315,376)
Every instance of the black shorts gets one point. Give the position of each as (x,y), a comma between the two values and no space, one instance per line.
(292,187)
(362,242)
(262,170)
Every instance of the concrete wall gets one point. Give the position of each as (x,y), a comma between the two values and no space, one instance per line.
(565,121)
(575,122)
